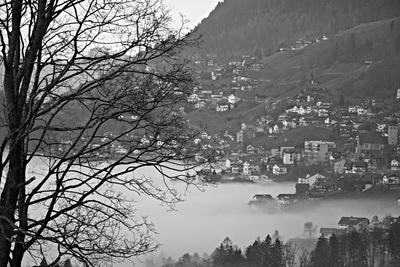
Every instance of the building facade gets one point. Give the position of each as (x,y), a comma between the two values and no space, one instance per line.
(392,134)
(317,151)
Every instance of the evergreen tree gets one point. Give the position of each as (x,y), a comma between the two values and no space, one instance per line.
(227,255)
(335,257)
(394,244)
(321,254)
(254,253)
(277,254)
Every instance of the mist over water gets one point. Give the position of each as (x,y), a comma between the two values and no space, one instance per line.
(204,219)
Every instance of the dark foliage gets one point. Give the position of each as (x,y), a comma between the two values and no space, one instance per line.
(380,246)
(261,253)
(261,26)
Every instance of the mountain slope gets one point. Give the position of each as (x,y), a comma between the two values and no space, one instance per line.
(237,26)
(363,61)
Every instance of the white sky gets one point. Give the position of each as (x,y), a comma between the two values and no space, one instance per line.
(194,10)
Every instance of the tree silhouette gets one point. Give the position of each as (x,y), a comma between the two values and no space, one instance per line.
(309,229)
(394,243)
(321,254)
(227,255)
(75,72)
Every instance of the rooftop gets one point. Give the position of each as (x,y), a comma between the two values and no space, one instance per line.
(371,138)
(262,197)
(351,221)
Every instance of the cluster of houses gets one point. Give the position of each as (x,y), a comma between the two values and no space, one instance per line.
(317,186)
(216,100)
(363,142)
(357,224)
(236,76)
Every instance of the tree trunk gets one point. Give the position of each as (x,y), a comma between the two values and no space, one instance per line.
(14,183)
(9,197)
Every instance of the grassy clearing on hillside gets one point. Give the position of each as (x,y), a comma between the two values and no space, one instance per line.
(338,64)
(218,122)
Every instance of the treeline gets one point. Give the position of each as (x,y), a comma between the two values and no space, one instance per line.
(261,253)
(377,247)
(246,26)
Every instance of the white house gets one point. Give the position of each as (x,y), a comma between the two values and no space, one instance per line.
(200,104)
(193,98)
(361,111)
(274,129)
(145,141)
(391,179)
(246,168)
(381,127)
(222,107)
(323,112)
(121,150)
(232,99)
(279,169)
(311,180)
(395,165)
(228,164)
(288,157)
(299,110)
(353,109)
(204,135)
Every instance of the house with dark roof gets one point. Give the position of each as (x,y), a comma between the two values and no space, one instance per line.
(351,182)
(286,199)
(351,224)
(326,185)
(371,178)
(261,199)
(370,141)
(302,189)
(279,169)
(360,167)
(391,178)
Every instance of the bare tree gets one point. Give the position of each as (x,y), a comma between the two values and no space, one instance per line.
(304,258)
(309,230)
(290,254)
(91,93)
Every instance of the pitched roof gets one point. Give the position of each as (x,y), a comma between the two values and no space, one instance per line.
(352,221)
(331,231)
(370,176)
(360,164)
(371,138)
(350,176)
(262,197)
(280,196)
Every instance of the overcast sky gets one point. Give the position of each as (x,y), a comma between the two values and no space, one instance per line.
(194,10)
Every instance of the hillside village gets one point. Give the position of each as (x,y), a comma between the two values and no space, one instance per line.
(316,137)
(323,142)
(287,127)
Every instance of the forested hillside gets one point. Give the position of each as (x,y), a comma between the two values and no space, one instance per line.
(237,26)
